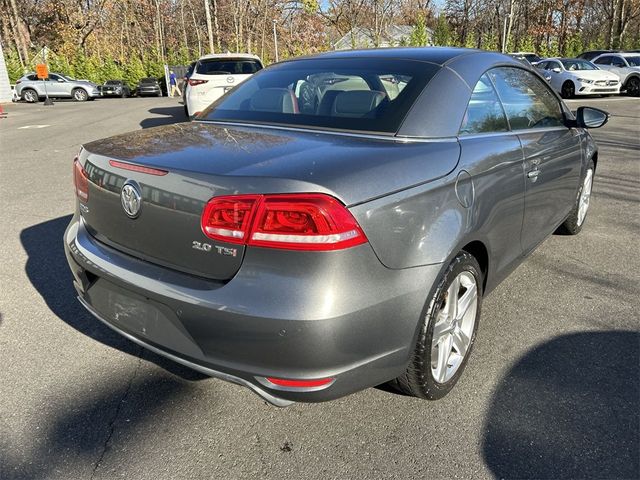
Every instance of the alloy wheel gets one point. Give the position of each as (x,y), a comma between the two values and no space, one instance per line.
(585,196)
(454,327)
(80,95)
(30,96)
(633,87)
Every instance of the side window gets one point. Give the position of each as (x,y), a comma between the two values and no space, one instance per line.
(53,77)
(617,62)
(606,60)
(484,113)
(528,102)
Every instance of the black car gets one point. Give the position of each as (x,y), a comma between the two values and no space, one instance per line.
(115,88)
(149,87)
(591,54)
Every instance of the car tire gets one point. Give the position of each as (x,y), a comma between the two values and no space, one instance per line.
(186,112)
(575,221)
(80,95)
(30,96)
(446,336)
(633,87)
(568,89)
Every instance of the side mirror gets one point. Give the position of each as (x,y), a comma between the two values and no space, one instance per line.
(556,70)
(589,117)
(60,80)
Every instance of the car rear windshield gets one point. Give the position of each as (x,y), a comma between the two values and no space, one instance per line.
(359,94)
(112,82)
(228,66)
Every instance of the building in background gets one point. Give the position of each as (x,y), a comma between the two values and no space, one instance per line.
(393,36)
(5,87)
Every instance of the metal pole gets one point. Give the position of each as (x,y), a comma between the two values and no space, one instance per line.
(275,39)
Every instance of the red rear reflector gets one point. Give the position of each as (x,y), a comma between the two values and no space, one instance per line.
(320,382)
(80,181)
(228,218)
(194,83)
(301,221)
(137,168)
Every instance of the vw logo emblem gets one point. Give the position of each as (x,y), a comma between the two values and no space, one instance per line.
(230,79)
(131,199)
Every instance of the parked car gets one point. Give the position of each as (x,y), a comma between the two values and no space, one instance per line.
(185,84)
(310,235)
(115,88)
(216,74)
(591,54)
(574,76)
(528,56)
(626,66)
(31,89)
(149,87)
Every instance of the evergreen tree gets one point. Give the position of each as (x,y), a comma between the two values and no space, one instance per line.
(419,36)
(442,33)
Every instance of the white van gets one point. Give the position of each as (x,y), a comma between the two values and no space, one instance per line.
(214,75)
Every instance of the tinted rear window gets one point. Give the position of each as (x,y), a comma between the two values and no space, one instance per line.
(113,82)
(345,94)
(227,66)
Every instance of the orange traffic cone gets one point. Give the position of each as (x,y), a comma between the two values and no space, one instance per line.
(3,114)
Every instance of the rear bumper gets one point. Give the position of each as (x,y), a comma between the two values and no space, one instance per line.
(340,314)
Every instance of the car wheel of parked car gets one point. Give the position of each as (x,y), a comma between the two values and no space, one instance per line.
(633,87)
(80,95)
(29,95)
(574,222)
(447,331)
(568,89)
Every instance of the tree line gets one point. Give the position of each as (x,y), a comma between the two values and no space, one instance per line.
(131,39)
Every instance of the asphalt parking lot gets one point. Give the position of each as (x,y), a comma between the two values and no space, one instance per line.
(552,389)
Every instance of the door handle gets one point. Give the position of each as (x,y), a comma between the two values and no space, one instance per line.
(533,174)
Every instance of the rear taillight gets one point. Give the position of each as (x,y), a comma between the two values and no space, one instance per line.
(80,181)
(292,221)
(193,82)
(229,218)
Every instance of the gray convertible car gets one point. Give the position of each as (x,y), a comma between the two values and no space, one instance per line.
(332,223)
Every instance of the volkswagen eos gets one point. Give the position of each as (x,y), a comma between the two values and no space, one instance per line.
(332,223)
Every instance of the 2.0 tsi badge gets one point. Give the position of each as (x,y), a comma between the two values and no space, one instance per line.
(131,199)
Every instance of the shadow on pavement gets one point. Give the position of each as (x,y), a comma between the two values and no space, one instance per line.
(171,115)
(49,273)
(569,409)
(76,439)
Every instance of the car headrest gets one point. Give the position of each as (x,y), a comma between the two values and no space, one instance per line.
(279,100)
(356,103)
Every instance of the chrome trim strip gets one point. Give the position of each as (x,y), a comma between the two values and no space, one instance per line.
(278,402)
(371,136)
(513,132)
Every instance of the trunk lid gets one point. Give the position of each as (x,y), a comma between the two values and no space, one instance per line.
(203,160)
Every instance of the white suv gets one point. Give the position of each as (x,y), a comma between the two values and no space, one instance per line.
(214,75)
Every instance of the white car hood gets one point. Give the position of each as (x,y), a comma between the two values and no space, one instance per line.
(594,74)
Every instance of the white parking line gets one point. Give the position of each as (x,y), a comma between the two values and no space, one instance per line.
(33,126)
